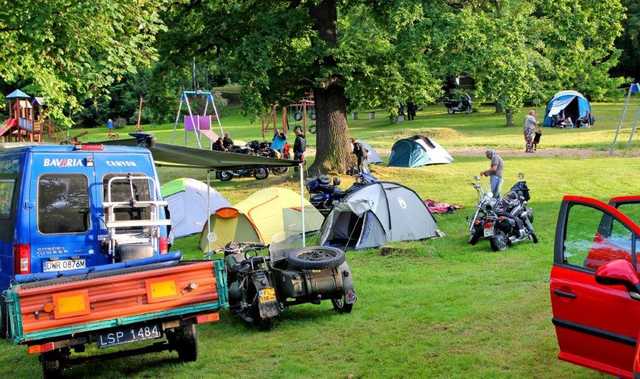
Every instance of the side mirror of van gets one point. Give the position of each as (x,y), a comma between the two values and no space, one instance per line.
(618,271)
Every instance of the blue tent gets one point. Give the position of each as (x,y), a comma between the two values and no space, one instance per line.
(568,104)
(418,151)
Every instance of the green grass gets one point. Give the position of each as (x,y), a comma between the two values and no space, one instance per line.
(441,308)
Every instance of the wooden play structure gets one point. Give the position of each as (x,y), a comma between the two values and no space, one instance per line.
(198,124)
(27,119)
(300,114)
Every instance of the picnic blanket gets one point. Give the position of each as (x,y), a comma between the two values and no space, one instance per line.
(441,208)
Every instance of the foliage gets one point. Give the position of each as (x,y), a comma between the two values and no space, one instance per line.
(69,51)
(629,42)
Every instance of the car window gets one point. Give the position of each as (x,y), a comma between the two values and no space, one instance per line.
(125,190)
(594,238)
(63,203)
(7,187)
(632,210)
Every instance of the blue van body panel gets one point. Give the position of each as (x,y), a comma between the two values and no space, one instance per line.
(38,160)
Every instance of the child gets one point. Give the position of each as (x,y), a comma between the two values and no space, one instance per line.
(537,136)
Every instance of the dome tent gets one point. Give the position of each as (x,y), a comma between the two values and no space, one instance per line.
(372,156)
(268,213)
(418,151)
(187,200)
(571,104)
(376,214)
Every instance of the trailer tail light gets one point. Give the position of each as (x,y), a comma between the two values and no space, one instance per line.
(22,258)
(39,349)
(164,245)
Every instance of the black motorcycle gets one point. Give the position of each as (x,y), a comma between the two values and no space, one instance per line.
(261,286)
(259,173)
(502,221)
(325,191)
(460,105)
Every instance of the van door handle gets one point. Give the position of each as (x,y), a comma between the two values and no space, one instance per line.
(567,294)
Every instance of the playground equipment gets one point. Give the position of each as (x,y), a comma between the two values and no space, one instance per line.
(198,124)
(633,89)
(21,126)
(303,111)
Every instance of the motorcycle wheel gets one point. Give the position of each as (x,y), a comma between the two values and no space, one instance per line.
(475,236)
(279,170)
(340,305)
(315,258)
(469,110)
(499,242)
(225,176)
(261,173)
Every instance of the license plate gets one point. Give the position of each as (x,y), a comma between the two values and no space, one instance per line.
(64,265)
(267,295)
(129,335)
(488,230)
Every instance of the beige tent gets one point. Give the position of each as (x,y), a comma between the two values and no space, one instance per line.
(271,213)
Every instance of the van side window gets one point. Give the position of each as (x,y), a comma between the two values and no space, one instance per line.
(6,197)
(121,190)
(63,203)
(594,238)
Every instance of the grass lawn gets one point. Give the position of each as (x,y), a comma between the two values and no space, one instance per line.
(440,309)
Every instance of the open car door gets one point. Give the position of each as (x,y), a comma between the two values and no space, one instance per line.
(596,324)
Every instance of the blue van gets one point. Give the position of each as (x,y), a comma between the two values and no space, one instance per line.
(52,205)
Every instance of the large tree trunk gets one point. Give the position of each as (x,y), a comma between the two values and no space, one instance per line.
(509,116)
(332,138)
(332,134)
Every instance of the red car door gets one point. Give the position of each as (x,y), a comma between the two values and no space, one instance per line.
(596,324)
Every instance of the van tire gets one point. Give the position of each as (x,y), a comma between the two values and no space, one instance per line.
(52,364)
(186,343)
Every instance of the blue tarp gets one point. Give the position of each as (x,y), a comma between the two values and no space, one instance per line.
(572,103)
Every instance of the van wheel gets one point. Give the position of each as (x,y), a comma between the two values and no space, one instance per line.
(186,343)
(52,364)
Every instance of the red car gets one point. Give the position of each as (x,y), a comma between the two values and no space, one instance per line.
(595,288)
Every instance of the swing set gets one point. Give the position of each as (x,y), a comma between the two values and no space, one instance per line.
(198,124)
(633,90)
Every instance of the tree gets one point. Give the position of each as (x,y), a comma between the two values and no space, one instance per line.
(70,50)
(348,53)
(629,42)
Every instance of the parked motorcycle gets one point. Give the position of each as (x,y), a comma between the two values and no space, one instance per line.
(259,173)
(502,221)
(460,105)
(261,286)
(325,191)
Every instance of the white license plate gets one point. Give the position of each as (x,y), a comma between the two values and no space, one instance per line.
(488,231)
(64,265)
(128,335)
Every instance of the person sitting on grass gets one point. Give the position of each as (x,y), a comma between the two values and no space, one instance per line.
(494,172)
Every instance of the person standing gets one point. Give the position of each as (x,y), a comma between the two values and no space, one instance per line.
(530,124)
(361,156)
(299,145)
(537,137)
(411,110)
(494,172)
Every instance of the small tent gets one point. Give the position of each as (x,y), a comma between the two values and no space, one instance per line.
(187,200)
(418,151)
(568,104)
(267,214)
(372,156)
(376,214)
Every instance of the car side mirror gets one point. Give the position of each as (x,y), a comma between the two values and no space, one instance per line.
(619,271)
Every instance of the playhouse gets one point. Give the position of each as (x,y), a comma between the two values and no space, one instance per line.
(26,118)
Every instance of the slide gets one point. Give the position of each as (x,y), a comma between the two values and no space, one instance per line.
(213,137)
(7,126)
